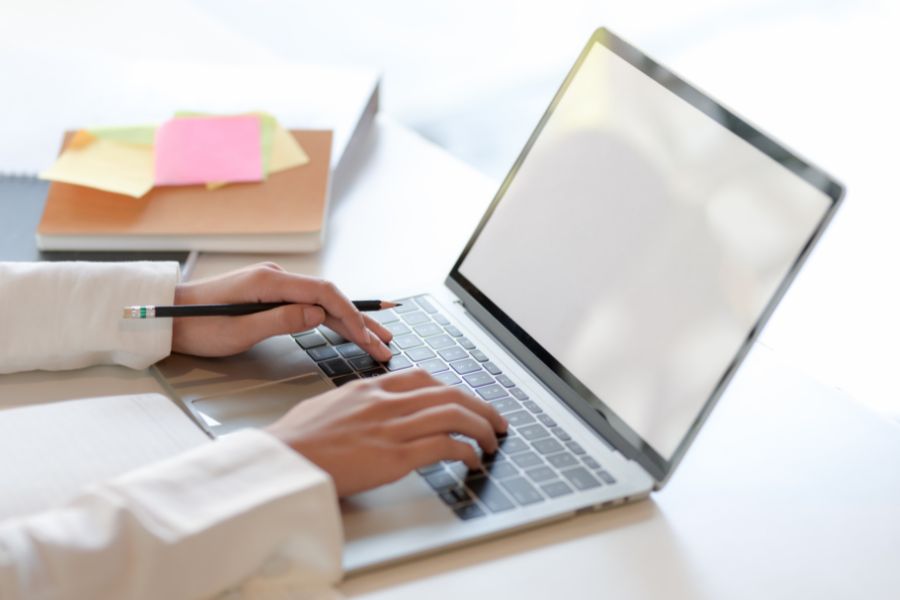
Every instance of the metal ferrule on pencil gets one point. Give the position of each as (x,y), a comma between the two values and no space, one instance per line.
(139,312)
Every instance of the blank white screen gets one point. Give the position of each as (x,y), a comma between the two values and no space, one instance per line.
(639,243)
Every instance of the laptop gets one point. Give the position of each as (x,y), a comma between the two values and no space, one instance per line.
(623,270)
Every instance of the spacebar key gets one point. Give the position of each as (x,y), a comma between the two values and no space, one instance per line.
(489,493)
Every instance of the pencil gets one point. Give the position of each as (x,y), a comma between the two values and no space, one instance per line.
(229,310)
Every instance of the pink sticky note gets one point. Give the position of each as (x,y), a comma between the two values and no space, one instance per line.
(197,150)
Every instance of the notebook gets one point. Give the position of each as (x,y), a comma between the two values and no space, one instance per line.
(52,451)
(285,213)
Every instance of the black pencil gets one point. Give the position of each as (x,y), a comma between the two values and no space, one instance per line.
(229,310)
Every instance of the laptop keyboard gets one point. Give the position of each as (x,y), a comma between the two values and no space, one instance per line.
(537,460)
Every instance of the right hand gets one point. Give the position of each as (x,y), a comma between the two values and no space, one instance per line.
(374,431)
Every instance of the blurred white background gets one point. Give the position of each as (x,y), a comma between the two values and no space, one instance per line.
(474,77)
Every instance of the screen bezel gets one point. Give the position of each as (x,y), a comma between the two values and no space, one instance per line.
(552,373)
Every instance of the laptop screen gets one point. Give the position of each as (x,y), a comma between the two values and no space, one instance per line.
(639,240)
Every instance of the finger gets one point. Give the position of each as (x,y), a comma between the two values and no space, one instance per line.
(291,287)
(380,330)
(407,380)
(446,419)
(284,319)
(410,402)
(372,344)
(428,450)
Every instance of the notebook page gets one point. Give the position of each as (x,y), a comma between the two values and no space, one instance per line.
(49,452)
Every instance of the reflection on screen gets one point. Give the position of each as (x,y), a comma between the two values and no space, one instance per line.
(639,243)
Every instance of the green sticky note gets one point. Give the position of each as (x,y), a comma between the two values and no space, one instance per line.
(141,135)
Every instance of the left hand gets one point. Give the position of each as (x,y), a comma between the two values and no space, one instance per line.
(317,302)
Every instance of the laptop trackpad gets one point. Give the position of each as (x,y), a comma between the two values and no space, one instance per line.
(257,406)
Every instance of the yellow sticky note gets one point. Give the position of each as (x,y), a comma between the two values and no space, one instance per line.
(106,165)
(286,152)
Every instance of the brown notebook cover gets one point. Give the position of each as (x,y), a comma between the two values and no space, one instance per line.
(284,213)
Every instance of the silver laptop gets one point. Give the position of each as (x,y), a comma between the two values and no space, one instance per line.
(623,270)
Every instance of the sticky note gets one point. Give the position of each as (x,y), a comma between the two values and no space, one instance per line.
(132,134)
(202,149)
(286,152)
(105,165)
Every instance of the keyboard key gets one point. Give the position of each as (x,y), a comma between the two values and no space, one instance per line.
(492,368)
(452,353)
(398,362)
(526,460)
(479,355)
(438,466)
(407,341)
(530,405)
(416,318)
(501,470)
(575,447)
(520,395)
(539,474)
(452,330)
(397,328)
(546,420)
(606,477)
(434,365)
(478,378)
(440,480)
(511,445)
(427,329)
(466,389)
(590,462)
(441,319)
(339,381)
(440,341)
(505,405)
(406,305)
(519,418)
(335,367)
(490,392)
(505,381)
(489,493)
(466,343)
(420,353)
(548,446)
(310,340)
(425,305)
(581,478)
(469,511)
(322,353)
(373,372)
(464,366)
(454,495)
(555,489)
(523,492)
(563,460)
(448,378)
(363,363)
(558,432)
(532,432)
(384,316)
(332,336)
(394,349)
(349,350)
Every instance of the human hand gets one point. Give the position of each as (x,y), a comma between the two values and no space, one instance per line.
(317,302)
(374,431)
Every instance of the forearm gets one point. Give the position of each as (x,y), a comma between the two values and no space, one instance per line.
(68,315)
(184,528)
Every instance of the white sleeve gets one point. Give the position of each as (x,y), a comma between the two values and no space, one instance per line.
(68,315)
(189,527)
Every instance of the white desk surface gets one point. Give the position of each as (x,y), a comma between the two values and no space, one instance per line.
(791,491)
